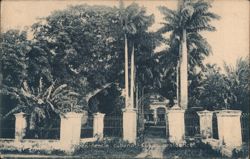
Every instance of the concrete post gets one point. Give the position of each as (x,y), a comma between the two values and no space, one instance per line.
(229,127)
(155,116)
(183,74)
(98,125)
(176,129)
(70,130)
(206,128)
(129,125)
(20,125)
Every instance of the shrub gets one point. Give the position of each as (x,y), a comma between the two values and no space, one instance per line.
(193,148)
(240,153)
(107,147)
(13,150)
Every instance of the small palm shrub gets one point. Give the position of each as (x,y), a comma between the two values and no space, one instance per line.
(40,103)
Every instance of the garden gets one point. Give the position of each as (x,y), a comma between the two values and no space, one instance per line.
(91,59)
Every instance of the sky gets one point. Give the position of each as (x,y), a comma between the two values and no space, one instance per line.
(229,42)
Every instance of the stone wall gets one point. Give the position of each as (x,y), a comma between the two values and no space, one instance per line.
(70,132)
(10,144)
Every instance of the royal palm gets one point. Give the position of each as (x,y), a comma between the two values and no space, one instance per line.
(185,23)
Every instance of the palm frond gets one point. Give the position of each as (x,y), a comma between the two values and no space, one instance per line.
(59,89)
(26,87)
(17,109)
(166,28)
(167,12)
(48,91)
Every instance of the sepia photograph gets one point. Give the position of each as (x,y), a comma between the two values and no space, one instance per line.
(124,79)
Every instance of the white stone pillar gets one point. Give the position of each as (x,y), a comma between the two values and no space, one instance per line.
(229,127)
(176,129)
(206,128)
(98,125)
(20,125)
(183,74)
(129,125)
(155,116)
(70,129)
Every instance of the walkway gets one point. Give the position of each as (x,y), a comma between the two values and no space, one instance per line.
(153,148)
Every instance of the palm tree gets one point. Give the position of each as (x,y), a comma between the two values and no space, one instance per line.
(237,90)
(43,102)
(186,22)
(124,25)
(134,22)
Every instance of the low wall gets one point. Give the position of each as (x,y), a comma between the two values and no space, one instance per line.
(84,140)
(223,149)
(36,144)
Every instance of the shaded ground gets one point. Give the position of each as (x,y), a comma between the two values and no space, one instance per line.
(190,153)
(153,148)
(159,148)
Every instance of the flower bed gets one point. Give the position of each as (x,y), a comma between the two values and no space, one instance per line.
(192,149)
(108,148)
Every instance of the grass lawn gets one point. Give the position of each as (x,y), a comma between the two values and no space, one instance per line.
(193,150)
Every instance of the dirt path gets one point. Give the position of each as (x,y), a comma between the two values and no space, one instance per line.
(153,148)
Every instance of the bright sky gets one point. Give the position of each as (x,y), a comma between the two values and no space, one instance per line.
(230,41)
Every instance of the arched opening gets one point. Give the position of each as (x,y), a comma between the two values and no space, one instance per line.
(161,116)
(109,102)
(192,123)
(154,110)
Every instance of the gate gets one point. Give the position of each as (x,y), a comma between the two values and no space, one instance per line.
(113,126)
(215,126)
(7,127)
(245,127)
(155,124)
(48,128)
(192,123)
(87,129)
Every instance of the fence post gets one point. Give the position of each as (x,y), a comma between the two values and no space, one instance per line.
(20,126)
(206,128)
(229,127)
(129,125)
(98,125)
(70,130)
(176,125)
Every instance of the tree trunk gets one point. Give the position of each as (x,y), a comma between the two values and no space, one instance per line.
(178,83)
(183,71)
(137,97)
(126,73)
(132,77)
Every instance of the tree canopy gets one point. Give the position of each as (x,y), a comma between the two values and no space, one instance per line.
(80,46)
(83,47)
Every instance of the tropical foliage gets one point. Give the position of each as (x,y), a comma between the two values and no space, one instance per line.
(185,42)
(223,90)
(14,47)
(76,47)
(41,102)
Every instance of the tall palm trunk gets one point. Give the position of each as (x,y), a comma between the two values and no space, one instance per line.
(183,71)
(178,83)
(126,73)
(136,97)
(132,77)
